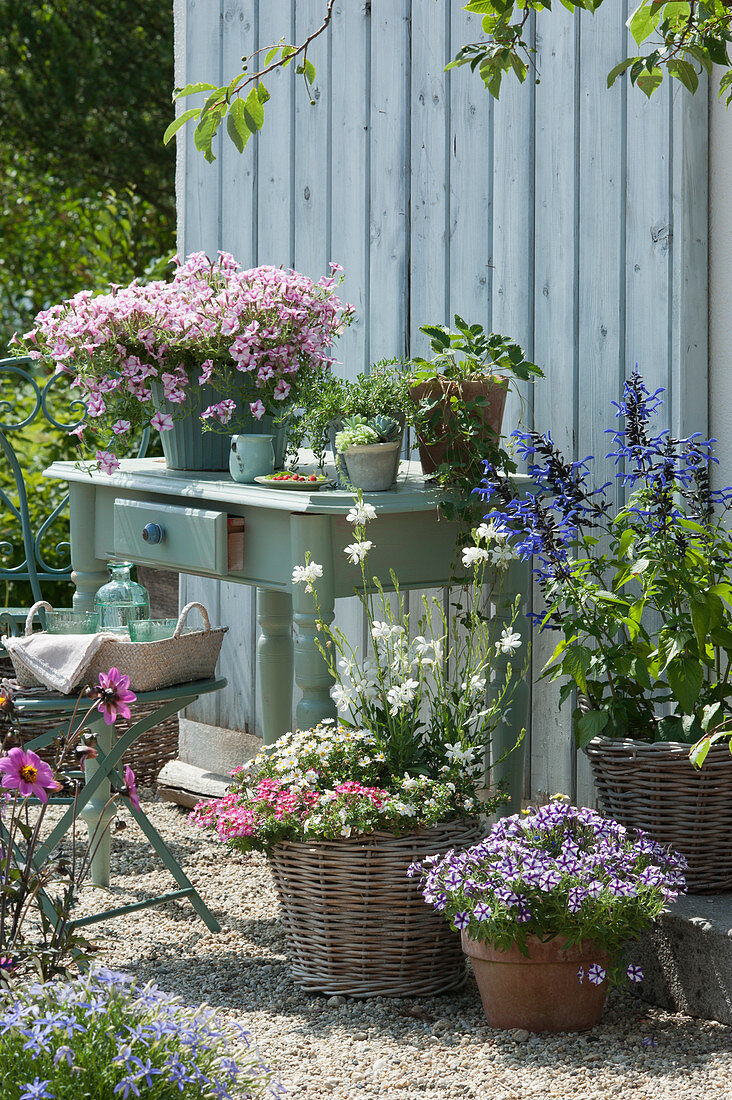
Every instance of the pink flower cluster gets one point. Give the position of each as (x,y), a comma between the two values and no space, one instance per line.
(214,322)
(357,790)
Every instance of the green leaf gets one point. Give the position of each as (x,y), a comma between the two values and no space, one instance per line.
(685,677)
(253,111)
(575,663)
(699,752)
(180,121)
(589,725)
(700,618)
(193,89)
(271,54)
(686,73)
(648,81)
(236,125)
(671,728)
(263,94)
(613,75)
(643,21)
(709,714)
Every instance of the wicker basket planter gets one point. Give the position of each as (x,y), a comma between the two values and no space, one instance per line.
(656,788)
(355,925)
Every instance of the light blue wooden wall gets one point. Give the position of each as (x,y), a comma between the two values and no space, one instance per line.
(568,216)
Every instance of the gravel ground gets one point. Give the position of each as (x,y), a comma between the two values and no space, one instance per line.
(428,1048)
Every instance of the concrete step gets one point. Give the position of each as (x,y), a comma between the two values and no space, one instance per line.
(687,958)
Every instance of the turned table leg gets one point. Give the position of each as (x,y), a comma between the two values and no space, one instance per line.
(89,573)
(275,662)
(311,534)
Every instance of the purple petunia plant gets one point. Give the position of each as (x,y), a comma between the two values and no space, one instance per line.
(557,871)
(105,1036)
(258,340)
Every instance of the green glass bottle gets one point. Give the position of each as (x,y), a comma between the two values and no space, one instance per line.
(121,600)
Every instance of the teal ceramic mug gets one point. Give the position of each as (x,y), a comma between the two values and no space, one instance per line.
(251,456)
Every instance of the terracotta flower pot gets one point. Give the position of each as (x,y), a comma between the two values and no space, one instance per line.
(434,389)
(542,992)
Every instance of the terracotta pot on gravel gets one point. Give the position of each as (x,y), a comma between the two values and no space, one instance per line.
(542,992)
(493,389)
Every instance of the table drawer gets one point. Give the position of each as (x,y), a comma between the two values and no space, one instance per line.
(186,539)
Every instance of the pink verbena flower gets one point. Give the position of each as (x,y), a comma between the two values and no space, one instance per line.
(27,773)
(113,692)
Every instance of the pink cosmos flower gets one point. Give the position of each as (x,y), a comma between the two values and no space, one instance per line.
(113,692)
(257,409)
(107,461)
(120,426)
(131,787)
(162,422)
(27,773)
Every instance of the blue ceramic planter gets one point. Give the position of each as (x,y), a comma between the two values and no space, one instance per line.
(188,447)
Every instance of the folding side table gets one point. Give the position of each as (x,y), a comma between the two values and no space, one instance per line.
(102,778)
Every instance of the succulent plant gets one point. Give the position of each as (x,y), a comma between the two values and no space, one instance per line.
(387,428)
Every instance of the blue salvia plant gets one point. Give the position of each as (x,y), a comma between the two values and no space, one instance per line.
(639,594)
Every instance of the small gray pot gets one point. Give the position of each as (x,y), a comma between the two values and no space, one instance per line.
(372,466)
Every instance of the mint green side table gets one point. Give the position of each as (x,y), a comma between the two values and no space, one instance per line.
(109,515)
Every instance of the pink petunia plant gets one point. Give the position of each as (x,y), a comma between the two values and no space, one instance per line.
(258,339)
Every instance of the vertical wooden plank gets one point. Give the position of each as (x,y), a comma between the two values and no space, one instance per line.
(601,271)
(471,185)
(430,185)
(689,300)
(512,258)
(239,170)
(648,237)
(430,170)
(555,341)
(201,231)
(201,227)
(350,170)
(312,192)
(274,153)
(389,179)
(350,111)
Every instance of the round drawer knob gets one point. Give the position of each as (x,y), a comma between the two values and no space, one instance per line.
(153,532)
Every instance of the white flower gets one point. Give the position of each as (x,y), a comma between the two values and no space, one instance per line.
(307,574)
(380,631)
(341,697)
(428,652)
(502,556)
(346,830)
(509,642)
(401,694)
(473,554)
(409,783)
(357,551)
(492,532)
(361,513)
(406,809)
(476,685)
(456,754)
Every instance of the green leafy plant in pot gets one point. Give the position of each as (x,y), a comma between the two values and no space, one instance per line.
(459,397)
(642,603)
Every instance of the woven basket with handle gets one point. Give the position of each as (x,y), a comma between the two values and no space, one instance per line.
(149,665)
(356,925)
(655,787)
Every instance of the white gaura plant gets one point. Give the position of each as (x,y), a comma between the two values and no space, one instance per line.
(433,685)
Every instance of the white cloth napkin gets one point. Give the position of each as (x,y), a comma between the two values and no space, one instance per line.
(59,661)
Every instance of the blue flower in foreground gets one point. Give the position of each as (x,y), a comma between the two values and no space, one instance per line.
(596,974)
(37,1090)
(635,973)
